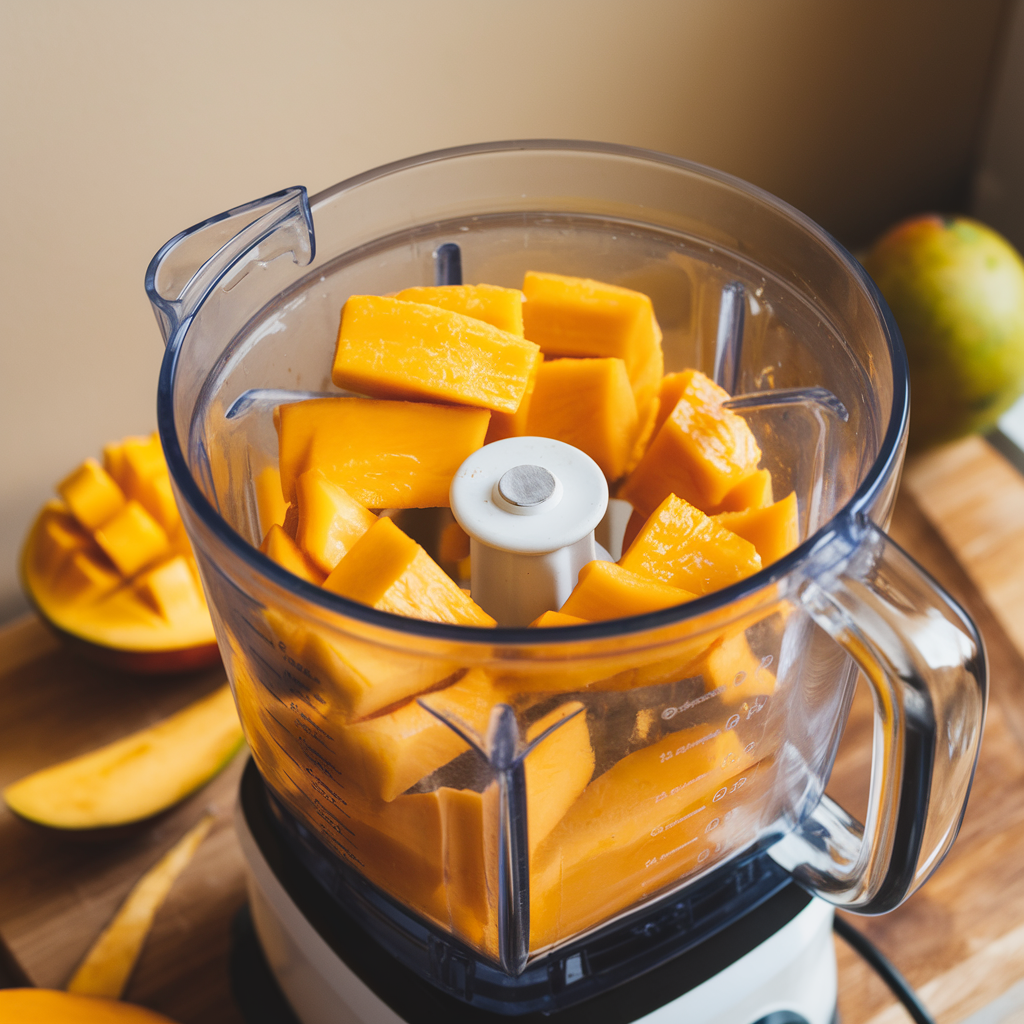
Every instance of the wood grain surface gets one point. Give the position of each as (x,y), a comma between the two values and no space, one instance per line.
(959,941)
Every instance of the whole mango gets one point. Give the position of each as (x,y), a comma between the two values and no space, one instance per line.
(956,289)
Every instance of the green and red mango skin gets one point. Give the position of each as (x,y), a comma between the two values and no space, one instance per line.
(956,290)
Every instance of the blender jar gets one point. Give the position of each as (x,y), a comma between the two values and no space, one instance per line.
(540,784)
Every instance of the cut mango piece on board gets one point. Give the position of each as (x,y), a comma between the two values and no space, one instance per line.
(388,348)
(499,307)
(589,404)
(135,777)
(773,530)
(607,591)
(388,570)
(91,494)
(549,619)
(575,316)
(700,452)
(330,521)
(47,1006)
(383,454)
(132,539)
(172,589)
(106,968)
(681,546)
(388,753)
(277,545)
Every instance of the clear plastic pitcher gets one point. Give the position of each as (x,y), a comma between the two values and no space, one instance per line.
(515,789)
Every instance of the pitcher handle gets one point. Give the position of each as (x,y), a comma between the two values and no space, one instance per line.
(186,268)
(925,662)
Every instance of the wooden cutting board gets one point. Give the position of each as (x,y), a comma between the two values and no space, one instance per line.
(960,941)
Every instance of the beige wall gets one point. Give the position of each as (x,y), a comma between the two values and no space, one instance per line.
(124,121)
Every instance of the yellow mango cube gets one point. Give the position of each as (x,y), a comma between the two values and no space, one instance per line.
(499,307)
(132,539)
(157,498)
(774,531)
(754,491)
(172,589)
(589,404)
(732,668)
(390,571)
(575,316)
(270,503)
(85,577)
(513,424)
(57,537)
(143,459)
(681,546)
(388,753)
(388,348)
(384,454)
(700,453)
(279,547)
(92,494)
(330,522)
(549,620)
(607,591)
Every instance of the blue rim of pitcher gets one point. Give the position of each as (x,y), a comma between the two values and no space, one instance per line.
(855,508)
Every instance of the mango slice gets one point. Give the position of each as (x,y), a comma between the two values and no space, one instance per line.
(91,494)
(39,1005)
(270,501)
(135,777)
(394,349)
(387,754)
(171,589)
(283,550)
(108,965)
(754,491)
(681,546)
(549,619)
(608,591)
(388,570)
(575,316)
(700,452)
(499,307)
(589,404)
(132,539)
(330,521)
(383,454)
(774,530)
(513,424)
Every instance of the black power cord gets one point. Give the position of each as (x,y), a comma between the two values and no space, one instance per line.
(884,968)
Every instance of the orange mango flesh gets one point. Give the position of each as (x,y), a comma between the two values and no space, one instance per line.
(681,546)
(608,591)
(549,619)
(575,316)
(394,349)
(453,544)
(388,753)
(277,545)
(270,501)
(388,570)
(48,1006)
(774,530)
(119,574)
(700,452)
(732,669)
(499,307)
(589,404)
(513,424)
(383,454)
(754,491)
(330,521)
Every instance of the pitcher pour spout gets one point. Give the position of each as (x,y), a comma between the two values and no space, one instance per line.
(222,250)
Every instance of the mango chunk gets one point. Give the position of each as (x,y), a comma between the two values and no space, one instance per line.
(132,539)
(550,619)
(774,531)
(330,522)
(681,546)
(499,307)
(607,591)
(394,349)
(589,404)
(754,491)
(172,589)
(142,460)
(513,424)
(270,501)
(58,537)
(390,571)
(575,316)
(156,496)
(387,754)
(277,545)
(700,453)
(732,668)
(383,454)
(557,769)
(92,494)
(85,578)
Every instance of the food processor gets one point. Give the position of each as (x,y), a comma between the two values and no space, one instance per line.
(615,821)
